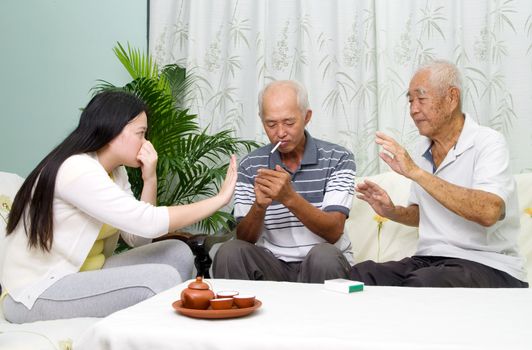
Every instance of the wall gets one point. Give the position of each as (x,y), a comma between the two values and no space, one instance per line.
(52,52)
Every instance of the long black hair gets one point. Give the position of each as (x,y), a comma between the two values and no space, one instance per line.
(101,121)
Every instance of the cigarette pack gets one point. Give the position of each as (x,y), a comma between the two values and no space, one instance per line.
(344,286)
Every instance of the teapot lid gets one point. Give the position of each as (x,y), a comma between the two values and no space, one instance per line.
(198,284)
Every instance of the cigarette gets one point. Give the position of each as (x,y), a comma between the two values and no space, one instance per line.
(276,146)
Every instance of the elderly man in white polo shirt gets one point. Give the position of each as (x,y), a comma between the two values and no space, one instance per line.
(463,196)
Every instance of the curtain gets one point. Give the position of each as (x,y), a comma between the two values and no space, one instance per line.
(356,58)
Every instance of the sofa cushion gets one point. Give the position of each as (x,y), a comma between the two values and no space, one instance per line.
(524,194)
(396,241)
(9,185)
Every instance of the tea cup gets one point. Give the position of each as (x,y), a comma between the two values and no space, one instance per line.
(226,294)
(244,300)
(221,303)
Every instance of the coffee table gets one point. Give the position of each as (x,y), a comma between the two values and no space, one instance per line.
(306,316)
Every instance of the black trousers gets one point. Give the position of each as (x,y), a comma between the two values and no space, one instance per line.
(433,271)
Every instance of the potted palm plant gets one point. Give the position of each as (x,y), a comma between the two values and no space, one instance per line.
(192,163)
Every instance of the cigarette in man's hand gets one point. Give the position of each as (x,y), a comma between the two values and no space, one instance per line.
(276,146)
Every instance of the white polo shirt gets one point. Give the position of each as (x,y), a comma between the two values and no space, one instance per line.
(479,160)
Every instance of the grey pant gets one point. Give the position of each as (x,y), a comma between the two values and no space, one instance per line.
(124,280)
(238,259)
(433,271)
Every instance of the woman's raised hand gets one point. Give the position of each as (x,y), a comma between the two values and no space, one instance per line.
(228,186)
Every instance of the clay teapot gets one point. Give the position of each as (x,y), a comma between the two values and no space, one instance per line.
(197,295)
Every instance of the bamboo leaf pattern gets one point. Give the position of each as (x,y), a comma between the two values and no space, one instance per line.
(328,62)
(363,145)
(222,97)
(235,118)
(180,34)
(365,93)
(503,119)
(391,89)
(299,60)
(334,101)
(460,55)
(304,27)
(356,59)
(528,31)
(238,29)
(425,54)
(501,15)
(430,20)
(498,51)
(260,62)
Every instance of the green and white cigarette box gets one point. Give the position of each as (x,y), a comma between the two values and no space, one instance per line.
(344,286)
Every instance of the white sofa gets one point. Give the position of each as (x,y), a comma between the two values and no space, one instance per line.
(57,334)
(396,241)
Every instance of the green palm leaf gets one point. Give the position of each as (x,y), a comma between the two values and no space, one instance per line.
(136,63)
(192,163)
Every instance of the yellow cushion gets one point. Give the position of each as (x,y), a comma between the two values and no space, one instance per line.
(106,231)
(97,248)
(93,263)
(95,259)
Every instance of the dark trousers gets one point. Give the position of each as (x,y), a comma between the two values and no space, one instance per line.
(238,259)
(433,271)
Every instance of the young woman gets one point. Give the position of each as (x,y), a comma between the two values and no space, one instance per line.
(68,214)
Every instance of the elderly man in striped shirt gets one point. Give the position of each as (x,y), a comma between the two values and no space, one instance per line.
(292,199)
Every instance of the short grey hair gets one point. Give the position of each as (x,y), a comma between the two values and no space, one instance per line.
(299,89)
(444,75)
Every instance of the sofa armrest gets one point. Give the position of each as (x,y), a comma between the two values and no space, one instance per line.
(200,244)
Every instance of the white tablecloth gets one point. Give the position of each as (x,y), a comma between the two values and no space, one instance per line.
(306,316)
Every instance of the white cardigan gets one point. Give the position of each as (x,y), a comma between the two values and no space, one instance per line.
(85,198)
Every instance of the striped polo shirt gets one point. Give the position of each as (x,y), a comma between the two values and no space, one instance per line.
(325,178)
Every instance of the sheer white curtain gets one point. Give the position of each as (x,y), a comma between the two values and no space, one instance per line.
(356,59)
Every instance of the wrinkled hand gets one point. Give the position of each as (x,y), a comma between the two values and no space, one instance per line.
(376,197)
(275,184)
(400,161)
(228,186)
(147,157)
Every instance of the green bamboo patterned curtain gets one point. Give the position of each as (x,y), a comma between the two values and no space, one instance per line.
(355,58)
